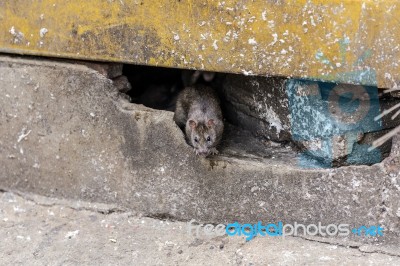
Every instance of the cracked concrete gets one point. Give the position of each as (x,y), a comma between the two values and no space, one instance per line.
(39,230)
(307,114)
(66,132)
(36,230)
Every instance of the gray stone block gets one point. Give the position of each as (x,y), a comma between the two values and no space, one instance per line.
(258,104)
(331,123)
(66,132)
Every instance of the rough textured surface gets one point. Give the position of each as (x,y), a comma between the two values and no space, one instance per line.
(66,133)
(331,122)
(122,84)
(109,70)
(258,104)
(42,231)
(334,40)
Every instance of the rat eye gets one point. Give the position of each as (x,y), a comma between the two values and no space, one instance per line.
(196,139)
(208,138)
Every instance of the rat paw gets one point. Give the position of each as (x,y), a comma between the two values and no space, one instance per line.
(213,151)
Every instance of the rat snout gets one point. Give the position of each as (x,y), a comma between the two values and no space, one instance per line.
(202,152)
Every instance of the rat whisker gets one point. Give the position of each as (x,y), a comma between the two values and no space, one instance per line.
(384,138)
(385,112)
(396,88)
(396,114)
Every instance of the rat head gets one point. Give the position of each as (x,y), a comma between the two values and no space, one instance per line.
(202,136)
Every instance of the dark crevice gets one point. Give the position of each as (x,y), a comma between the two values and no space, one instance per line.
(158,87)
(163,217)
(50,202)
(249,132)
(352,245)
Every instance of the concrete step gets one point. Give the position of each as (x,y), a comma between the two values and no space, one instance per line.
(42,230)
(67,132)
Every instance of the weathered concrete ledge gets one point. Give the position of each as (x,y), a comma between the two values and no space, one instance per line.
(66,132)
(335,41)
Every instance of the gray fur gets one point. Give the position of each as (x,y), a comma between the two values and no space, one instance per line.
(198,112)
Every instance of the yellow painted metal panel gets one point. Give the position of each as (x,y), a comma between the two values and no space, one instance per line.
(343,41)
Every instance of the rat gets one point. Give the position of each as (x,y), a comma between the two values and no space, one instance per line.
(189,77)
(198,112)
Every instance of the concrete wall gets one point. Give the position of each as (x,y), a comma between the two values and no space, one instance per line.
(65,131)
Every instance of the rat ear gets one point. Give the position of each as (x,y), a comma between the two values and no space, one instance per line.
(192,123)
(210,123)
(208,76)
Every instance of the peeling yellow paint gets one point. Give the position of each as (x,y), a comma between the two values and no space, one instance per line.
(342,41)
